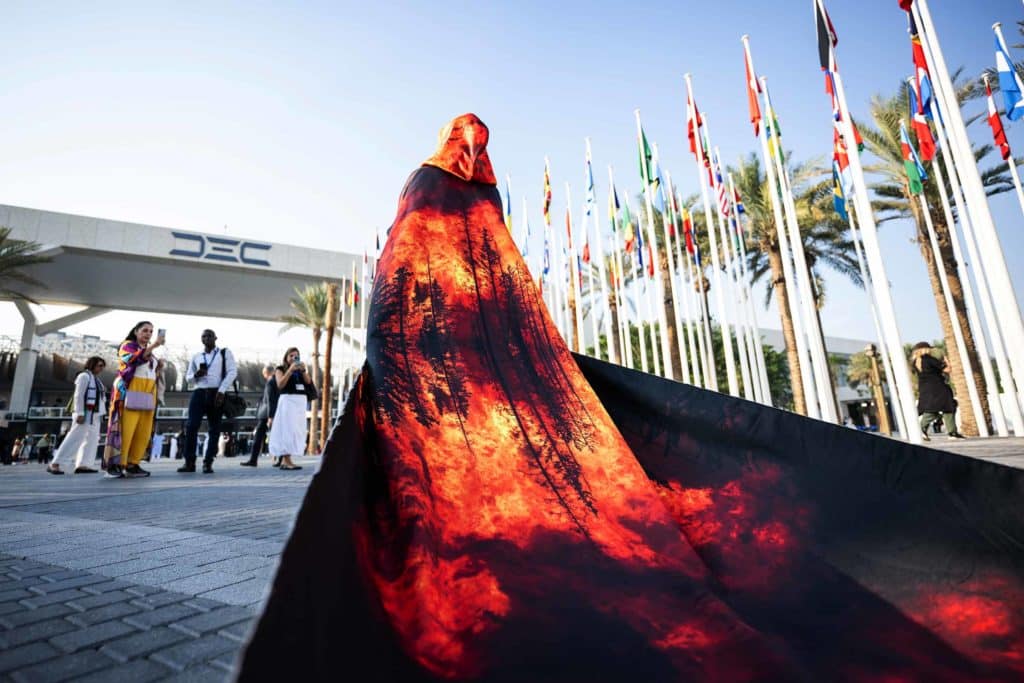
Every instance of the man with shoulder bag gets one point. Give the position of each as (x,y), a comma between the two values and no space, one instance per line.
(212,372)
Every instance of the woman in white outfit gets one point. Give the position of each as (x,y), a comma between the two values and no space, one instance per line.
(288,413)
(89,406)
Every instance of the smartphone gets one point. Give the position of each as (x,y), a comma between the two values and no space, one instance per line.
(161,333)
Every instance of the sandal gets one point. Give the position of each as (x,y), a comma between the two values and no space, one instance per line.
(53,471)
(291,467)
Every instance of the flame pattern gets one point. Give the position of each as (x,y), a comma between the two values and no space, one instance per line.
(492,508)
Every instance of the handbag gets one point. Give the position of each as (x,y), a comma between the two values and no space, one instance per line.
(234,405)
(139,400)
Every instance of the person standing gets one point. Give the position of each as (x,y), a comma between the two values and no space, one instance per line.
(88,408)
(288,412)
(133,403)
(259,437)
(934,395)
(211,372)
(43,448)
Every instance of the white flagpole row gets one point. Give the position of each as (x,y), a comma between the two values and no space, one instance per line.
(792,296)
(606,312)
(625,334)
(576,315)
(819,362)
(993,261)
(901,422)
(995,337)
(667,228)
(873,251)
(686,287)
(723,321)
(958,334)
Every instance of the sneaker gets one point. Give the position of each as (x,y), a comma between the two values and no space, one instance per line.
(926,437)
(955,435)
(135,472)
(85,470)
(207,469)
(114,472)
(247,463)
(187,468)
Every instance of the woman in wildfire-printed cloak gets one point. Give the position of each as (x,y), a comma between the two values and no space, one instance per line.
(491,509)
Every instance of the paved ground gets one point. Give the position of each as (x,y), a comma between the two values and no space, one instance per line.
(137,580)
(160,578)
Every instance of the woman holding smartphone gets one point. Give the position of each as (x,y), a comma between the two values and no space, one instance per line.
(288,412)
(133,403)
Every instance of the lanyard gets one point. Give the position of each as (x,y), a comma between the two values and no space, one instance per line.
(209,363)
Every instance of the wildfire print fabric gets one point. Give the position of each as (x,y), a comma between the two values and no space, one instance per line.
(490,508)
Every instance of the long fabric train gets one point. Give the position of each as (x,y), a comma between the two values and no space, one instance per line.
(489,508)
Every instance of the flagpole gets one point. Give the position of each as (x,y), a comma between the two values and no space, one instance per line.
(819,361)
(1003,294)
(602,272)
(659,287)
(641,328)
(958,334)
(873,251)
(580,263)
(725,234)
(707,353)
(667,217)
(1011,162)
(576,312)
(687,292)
(1006,377)
(723,323)
(901,422)
(625,333)
(972,322)
(792,296)
(757,351)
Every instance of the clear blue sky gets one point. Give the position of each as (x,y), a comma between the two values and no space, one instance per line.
(301,123)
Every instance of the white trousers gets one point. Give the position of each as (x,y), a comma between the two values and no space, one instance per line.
(80,444)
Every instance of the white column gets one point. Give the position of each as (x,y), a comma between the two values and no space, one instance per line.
(994,263)
(25,368)
(873,252)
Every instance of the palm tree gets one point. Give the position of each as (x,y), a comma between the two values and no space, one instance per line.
(764,255)
(893,200)
(310,308)
(331,324)
(15,256)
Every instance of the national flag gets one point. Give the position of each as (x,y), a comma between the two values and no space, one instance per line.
(547,193)
(658,187)
(646,158)
(774,136)
(740,209)
(998,133)
(591,199)
(526,232)
(613,208)
(842,159)
(508,206)
(721,192)
(922,76)
(586,250)
(921,128)
(692,247)
(915,171)
(827,38)
(568,228)
(639,240)
(628,234)
(838,196)
(753,90)
(1009,81)
(650,261)
(694,123)
(905,5)
(547,257)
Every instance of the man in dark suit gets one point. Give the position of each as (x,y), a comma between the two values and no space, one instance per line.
(259,437)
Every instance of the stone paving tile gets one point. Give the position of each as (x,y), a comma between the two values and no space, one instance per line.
(203,604)
(14,594)
(110,585)
(40,630)
(161,616)
(132,566)
(30,616)
(138,671)
(63,668)
(142,644)
(91,601)
(212,621)
(158,600)
(238,632)
(50,598)
(26,655)
(207,581)
(106,613)
(92,636)
(200,674)
(180,657)
(64,584)
(249,592)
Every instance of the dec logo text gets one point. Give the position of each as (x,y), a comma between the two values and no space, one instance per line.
(222,249)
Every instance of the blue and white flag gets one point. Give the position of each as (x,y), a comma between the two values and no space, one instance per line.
(1009,82)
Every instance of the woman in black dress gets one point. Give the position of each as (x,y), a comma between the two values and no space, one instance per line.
(934,395)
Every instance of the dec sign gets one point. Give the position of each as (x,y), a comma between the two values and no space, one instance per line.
(209,248)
